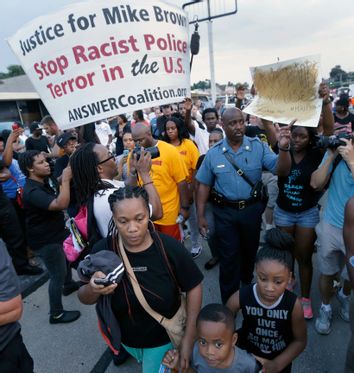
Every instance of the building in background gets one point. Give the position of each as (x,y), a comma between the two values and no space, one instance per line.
(19,102)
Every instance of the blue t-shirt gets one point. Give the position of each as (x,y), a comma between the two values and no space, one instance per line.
(341,189)
(10,185)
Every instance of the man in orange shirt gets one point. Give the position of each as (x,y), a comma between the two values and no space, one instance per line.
(168,173)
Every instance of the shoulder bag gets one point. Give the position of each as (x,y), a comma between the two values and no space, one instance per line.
(259,190)
(175,326)
(19,192)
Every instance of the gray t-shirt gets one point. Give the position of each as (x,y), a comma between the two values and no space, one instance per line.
(9,288)
(243,363)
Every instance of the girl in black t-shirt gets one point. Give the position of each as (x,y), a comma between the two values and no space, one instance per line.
(150,254)
(296,210)
(273,327)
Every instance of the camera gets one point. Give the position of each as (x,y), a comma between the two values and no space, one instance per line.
(154,151)
(332,142)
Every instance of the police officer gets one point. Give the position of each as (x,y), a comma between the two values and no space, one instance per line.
(237,214)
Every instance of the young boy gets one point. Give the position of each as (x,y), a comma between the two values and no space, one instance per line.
(215,349)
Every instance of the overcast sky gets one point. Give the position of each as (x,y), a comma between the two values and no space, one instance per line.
(258,34)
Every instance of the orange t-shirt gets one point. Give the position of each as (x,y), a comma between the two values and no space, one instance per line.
(190,155)
(166,172)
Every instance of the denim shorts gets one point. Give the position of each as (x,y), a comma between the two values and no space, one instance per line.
(306,219)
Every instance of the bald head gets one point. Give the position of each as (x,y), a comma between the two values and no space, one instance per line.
(141,134)
(231,113)
(234,125)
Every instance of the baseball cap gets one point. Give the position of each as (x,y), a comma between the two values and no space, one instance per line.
(343,101)
(35,126)
(63,139)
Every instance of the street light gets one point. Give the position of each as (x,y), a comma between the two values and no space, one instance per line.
(209,16)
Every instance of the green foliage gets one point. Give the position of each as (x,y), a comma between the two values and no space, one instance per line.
(339,78)
(202,85)
(12,70)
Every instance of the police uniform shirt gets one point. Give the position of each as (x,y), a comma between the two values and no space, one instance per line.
(216,171)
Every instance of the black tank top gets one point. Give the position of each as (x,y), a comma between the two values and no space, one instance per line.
(266,330)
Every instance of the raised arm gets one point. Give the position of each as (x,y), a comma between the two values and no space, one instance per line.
(284,159)
(270,132)
(63,199)
(188,117)
(143,167)
(7,155)
(327,115)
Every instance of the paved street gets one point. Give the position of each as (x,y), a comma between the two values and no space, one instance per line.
(79,348)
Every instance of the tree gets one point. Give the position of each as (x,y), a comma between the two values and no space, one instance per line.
(245,85)
(337,74)
(202,84)
(12,70)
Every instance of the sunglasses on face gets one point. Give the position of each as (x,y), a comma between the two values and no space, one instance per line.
(111,156)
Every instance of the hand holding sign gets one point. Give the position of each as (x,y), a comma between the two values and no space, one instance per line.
(99,65)
(286,90)
(284,134)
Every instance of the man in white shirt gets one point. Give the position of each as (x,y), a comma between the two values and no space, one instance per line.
(104,133)
(201,130)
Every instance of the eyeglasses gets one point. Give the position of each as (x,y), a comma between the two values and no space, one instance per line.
(111,156)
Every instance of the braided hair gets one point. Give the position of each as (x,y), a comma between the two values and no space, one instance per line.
(279,246)
(121,194)
(86,179)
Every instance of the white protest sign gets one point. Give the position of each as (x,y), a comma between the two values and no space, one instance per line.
(96,59)
(287,90)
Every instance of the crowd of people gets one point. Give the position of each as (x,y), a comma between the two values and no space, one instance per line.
(118,205)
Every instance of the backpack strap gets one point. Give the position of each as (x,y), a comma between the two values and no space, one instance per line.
(336,162)
(93,234)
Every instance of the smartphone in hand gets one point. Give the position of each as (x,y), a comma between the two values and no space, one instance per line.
(103,281)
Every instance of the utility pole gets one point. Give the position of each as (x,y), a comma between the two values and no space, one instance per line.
(211,56)
(211,62)
(212,14)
